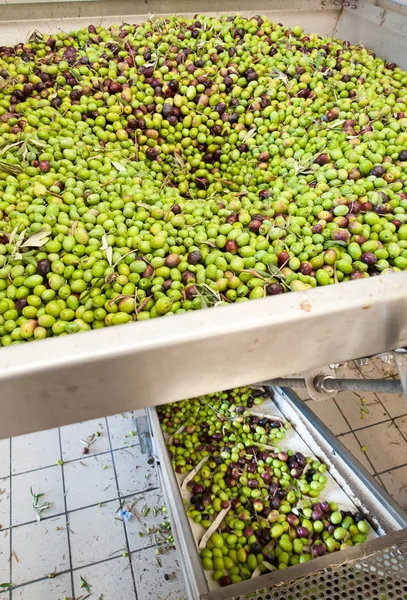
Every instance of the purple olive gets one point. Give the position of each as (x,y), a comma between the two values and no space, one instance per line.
(272,289)
(302,532)
(275,502)
(377,171)
(292,519)
(322,159)
(317,514)
(369,258)
(341,235)
(318,549)
(20,304)
(403,155)
(43,267)
(231,246)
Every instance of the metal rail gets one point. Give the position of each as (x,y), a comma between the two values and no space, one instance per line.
(330,384)
(63,380)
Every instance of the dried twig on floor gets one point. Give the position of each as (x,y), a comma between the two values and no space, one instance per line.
(90,439)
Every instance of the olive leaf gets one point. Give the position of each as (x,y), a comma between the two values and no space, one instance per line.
(179,160)
(331,243)
(118,166)
(12,235)
(107,249)
(249,135)
(34,36)
(36,240)
(318,61)
(9,168)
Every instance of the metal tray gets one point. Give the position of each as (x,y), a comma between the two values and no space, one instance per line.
(385,515)
(64,380)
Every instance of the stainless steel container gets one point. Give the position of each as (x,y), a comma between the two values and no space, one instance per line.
(63,380)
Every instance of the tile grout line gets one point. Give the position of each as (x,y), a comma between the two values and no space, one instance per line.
(391,469)
(120,501)
(66,513)
(11,517)
(67,462)
(74,569)
(73,510)
(353,433)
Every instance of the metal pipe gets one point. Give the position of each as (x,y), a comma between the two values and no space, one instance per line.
(328,384)
(379,386)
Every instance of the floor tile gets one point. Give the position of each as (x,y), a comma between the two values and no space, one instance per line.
(89,481)
(351,443)
(395,404)
(402,425)
(97,532)
(330,415)
(133,472)
(71,436)
(46,481)
(361,409)
(110,580)
(372,370)
(4,503)
(385,446)
(35,450)
(122,429)
(4,557)
(396,484)
(139,505)
(4,458)
(41,548)
(147,576)
(57,588)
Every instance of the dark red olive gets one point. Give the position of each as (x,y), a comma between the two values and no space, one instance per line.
(194,257)
(44,166)
(318,549)
(341,235)
(20,304)
(254,225)
(377,171)
(225,580)
(403,155)
(302,532)
(292,519)
(43,267)
(369,258)
(231,246)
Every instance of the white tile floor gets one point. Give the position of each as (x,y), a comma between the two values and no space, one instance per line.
(87,473)
(81,537)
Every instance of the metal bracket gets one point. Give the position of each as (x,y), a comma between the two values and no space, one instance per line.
(311,378)
(400,357)
(143,430)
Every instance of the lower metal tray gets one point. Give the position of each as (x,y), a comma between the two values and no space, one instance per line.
(354,573)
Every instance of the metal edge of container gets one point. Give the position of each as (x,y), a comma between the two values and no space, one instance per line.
(350,474)
(359,485)
(196,585)
(75,378)
(238,591)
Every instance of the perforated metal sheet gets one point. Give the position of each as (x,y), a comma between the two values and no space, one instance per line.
(379,576)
